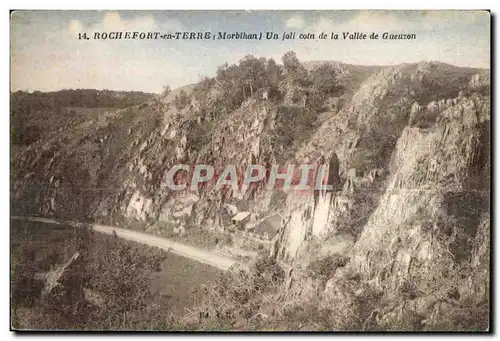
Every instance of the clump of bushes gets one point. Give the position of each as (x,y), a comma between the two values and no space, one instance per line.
(251,77)
(114,270)
(236,299)
(324,268)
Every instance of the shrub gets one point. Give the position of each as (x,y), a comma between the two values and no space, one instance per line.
(324,268)
(235,300)
(115,270)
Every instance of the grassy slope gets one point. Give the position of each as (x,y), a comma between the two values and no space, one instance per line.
(140,287)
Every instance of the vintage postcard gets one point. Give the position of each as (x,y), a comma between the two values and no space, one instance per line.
(250,170)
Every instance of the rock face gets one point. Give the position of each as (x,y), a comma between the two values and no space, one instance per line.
(365,133)
(433,175)
(424,233)
(433,207)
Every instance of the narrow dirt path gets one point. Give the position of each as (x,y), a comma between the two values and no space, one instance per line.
(181,249)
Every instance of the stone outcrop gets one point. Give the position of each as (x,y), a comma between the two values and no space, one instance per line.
(480,79)
(432,185)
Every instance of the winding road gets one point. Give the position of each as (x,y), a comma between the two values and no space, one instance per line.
(200,255)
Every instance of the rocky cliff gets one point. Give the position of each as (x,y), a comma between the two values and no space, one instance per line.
(408,147)
(412,220)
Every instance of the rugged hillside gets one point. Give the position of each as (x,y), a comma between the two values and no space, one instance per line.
(34,115)
(120,159)
(419,207)
(408,149)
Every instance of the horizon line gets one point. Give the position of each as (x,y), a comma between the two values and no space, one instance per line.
(279,63)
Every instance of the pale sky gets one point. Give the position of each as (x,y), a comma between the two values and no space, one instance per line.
(46,54)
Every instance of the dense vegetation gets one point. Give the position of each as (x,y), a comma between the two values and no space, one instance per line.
(266,299)
(297,93)
(108,287)
(22,101)
(33,114)
(252,77)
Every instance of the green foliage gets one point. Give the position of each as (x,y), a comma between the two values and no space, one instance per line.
(236,83)
(199,135)
(325,80)
(250,78)
(116,271)
(266,274)
(25,289)
(274,74)
(375,147)
(291,62)
(202,88)
(22,101)
(241,81)
(233,301)
(294,125)
(324,268)
(296,73)
(125,283)
(22,134)
(33,114)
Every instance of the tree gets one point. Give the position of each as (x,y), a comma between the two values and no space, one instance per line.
(252,74)
(325,79)
(273,72)
(166,90)
(296,73)
(290,61)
